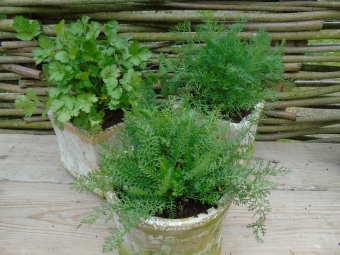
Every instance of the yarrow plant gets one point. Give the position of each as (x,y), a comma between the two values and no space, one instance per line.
(89,76)
(169,156)
(221,69)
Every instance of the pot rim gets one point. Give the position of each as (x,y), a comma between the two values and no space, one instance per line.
(84,134)
(167,224)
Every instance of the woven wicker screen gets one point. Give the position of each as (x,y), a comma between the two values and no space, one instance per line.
(309,111)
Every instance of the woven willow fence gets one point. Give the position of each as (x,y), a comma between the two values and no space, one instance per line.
(311,61)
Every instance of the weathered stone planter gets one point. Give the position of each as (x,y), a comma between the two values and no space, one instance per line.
(199,235)
(247,129)
(79,150)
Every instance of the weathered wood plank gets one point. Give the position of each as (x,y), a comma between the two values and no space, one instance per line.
(39,212)
(313,167)
(42,217)
(31,158)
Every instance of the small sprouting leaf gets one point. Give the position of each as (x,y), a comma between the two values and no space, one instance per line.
(25,29)
(62,56)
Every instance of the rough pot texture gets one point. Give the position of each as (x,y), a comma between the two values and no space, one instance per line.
(79,150)
(199,235)
(246,127)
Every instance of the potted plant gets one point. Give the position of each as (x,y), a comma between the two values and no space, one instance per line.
(224,71)
(92,81)
(172,180)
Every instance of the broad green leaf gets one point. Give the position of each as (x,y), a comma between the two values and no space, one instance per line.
(45,42)
(111,28)
(35,28)
(111,83)
(74,112)
(62,56)
(85,102)
(73,53)
(128,88)
(79,27)
(25,29)
(144,53)
(134,48)
(109,51)
(110,71)
(139,55)
(60,28)
(64,116)
(94,31)
(28,106)
(115,93)
(106,60)
(86,84)
(24,36)
(130,78)
(83,76)
(93,70)
(21,24)
(70,103)
(32,95)
(56,104)
(42,55)
(56,71)
(114,104)
(120,43)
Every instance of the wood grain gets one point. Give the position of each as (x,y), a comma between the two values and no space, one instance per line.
(39,212)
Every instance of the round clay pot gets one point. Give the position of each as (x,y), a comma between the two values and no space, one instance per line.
(199,235)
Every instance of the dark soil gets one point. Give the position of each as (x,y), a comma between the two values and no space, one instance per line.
(187,209)
(239,116)
(112,117)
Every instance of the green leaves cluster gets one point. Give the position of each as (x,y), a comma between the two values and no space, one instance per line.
(223,70)
(90,75)
(169,154)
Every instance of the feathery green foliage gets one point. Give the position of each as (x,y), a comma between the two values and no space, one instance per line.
(223,70)
(169,154)
(90,76)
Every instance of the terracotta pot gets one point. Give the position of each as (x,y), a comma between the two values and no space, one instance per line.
(199,235)
(79,150)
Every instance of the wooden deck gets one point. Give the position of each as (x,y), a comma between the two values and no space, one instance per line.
(39,212)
